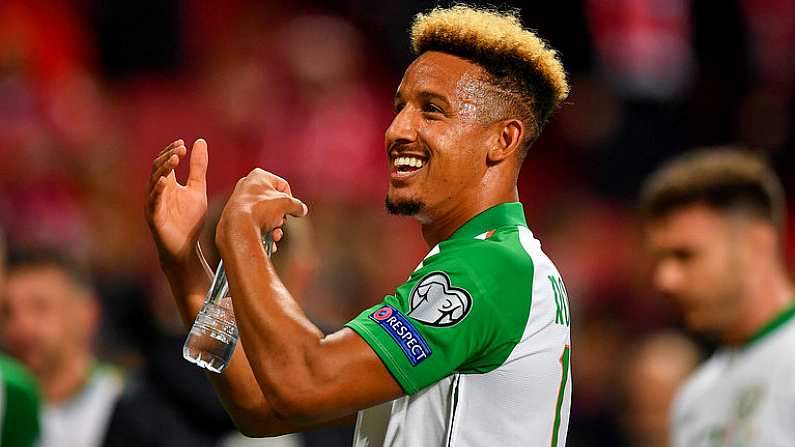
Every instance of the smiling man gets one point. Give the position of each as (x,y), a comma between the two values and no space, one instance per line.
(714,221)
(474,348)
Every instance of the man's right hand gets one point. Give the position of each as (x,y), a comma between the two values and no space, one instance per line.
(176,213)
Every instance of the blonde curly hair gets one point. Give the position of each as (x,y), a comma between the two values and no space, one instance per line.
(524,69)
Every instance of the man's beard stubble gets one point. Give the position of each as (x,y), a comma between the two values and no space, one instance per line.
(403,208)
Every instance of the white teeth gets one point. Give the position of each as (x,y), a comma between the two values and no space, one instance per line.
(408,161)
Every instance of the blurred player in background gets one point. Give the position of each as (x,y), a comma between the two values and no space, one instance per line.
(19,395)
(474,348)
(714,221)
(50,315)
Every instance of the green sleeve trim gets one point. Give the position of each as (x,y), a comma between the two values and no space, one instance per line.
(383,352)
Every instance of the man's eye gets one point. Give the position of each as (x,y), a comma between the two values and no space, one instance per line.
(431,108)
(398,108)
(682,255)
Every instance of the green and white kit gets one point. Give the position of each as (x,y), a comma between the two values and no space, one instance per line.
(478,337)
(743,395)
(19,405)
(83,419)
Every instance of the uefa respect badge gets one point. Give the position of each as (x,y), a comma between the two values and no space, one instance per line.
(403,333)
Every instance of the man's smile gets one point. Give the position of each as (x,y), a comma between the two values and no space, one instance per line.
(403,166)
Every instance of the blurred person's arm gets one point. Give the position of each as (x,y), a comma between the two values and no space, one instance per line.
(176,214)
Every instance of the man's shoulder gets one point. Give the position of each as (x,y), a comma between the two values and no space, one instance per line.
(782,337)
(705,374)
(698,383)
(713,372)
(495,249)
(486,267)
(16,376)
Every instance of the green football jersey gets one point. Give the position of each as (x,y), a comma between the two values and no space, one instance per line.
(478,338)
(19,405)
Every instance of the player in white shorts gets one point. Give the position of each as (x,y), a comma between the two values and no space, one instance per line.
(714,221)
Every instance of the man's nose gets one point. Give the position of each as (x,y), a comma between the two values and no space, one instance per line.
(667,276)
(403,128)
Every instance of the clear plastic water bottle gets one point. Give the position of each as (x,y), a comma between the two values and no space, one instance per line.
(214,334)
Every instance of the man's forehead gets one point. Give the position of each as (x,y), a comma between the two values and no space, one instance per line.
(437,70)
(695,222)
(39,277)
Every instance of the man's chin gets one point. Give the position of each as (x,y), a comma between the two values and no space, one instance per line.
(703,328)
(403,207)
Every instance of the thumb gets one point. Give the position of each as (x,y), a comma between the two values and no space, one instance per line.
(197,173)
(297,208)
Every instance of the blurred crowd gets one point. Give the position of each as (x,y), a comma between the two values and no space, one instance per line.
(90,91)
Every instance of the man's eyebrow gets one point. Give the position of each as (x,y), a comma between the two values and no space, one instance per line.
(423,95)
(428,94)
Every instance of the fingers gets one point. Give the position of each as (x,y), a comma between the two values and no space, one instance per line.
(276,235)
(158,187)
(166,168)
(296,208)
(154,195)
(174,144)
(166,161)
(281,184)
(284,206)
(267,198)
(162,167)
(177,147)
(197,173)
(274,180)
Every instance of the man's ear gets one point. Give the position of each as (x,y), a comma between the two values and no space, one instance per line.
(508,142)
(761,239)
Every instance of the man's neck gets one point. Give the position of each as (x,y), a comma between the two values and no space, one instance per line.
(442,224)
(66,381)
(767,300)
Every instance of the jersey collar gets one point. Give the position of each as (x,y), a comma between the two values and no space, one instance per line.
(772,325)
(504,214)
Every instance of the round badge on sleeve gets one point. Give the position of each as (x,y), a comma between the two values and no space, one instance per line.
(436,302)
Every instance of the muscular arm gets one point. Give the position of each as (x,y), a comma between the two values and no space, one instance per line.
(175,214)
(237,387)
(307,378)
(239,392)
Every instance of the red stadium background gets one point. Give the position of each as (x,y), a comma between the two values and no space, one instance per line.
(90,91)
